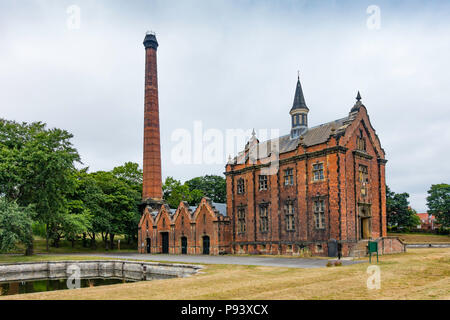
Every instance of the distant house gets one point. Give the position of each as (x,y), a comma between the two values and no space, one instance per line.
(427,222)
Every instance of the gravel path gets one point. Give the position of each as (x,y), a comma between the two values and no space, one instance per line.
(245,260)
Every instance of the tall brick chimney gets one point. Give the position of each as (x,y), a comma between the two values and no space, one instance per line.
(152,184)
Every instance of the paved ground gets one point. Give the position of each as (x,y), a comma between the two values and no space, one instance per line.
(245,260)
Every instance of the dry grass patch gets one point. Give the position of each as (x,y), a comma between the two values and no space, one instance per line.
(417,274)
(421,237)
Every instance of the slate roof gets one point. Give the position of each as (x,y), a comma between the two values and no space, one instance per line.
(299,99)
(312,136)
(221,207)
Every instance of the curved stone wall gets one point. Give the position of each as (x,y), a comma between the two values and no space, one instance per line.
(93,268)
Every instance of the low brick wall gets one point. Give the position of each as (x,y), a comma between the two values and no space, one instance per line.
(388,245)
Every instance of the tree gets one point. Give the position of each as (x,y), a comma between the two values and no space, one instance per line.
(75,224)
(119,206)
(132,175)
(211,186)
(399,213)
(15,225)
(174,192)
(86,198)
(129,172)
(36,164)
(438,202)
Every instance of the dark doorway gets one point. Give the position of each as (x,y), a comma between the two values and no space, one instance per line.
(165,242)
(332,248)
(205,245)
(183,245)
(148,245)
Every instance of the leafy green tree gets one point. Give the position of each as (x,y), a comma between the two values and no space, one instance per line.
(133,176)
(211,186)
(87,198)
(438,202)
(36,164)
(119,206)
(174,192)
(399,213)
(15,226)
(75,224)
(130,172)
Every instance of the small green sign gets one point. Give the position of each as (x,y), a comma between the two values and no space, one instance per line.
(373,248)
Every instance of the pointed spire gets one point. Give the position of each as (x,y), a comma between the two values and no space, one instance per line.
(299,99)
(253,133)
(358,103)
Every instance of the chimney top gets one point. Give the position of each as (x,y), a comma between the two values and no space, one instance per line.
(150,40)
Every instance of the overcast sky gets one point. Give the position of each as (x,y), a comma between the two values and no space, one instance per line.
(232,64)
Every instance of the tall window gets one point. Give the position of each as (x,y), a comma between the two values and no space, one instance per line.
(262,182)
(241,220)
(363,174)
(289,211)
(319,214)
(288,177)
(146,223)
(264,218)
(240,186)
(304,119)
(363,178)
(361,141)
(182,220)
(318,171)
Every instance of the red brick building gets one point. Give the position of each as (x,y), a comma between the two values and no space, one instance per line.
(320,189)
(427,222)
(317,189)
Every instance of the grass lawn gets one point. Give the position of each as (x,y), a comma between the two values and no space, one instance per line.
(416,274)
(421,237)
(66,247)
(8,258)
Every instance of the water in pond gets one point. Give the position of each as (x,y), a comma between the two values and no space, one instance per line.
(29,286)
(31,282)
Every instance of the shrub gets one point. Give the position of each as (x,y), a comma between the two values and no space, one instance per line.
(329,264)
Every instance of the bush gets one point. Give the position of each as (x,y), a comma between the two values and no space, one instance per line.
(443,231)
(337,263)
(329,264)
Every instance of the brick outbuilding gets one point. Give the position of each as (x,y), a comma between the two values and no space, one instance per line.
(205,229)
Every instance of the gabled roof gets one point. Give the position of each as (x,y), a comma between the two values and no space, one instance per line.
(312,136)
